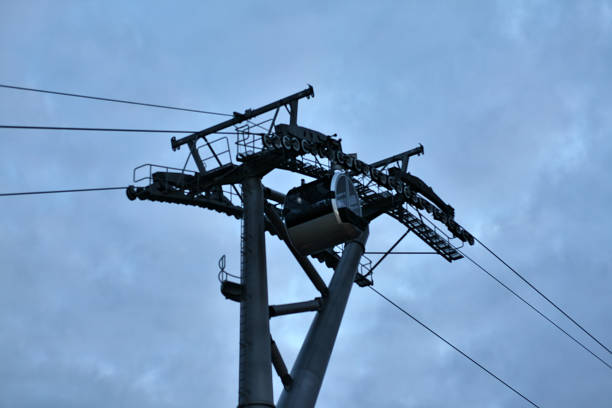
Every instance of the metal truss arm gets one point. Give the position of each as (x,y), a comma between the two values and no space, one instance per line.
(400,156)
(307,141)
(241,117)
(419,185)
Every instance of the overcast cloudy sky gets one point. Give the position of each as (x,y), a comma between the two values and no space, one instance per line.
(107,302)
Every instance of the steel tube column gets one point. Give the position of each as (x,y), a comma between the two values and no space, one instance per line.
(255,373)
(311,363)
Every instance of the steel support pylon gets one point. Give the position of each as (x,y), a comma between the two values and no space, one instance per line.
(255,372)
(383,188)
(309,367)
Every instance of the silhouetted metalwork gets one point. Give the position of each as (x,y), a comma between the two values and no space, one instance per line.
(326,219)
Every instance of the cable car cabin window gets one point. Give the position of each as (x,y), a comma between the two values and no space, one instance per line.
(323,213)
(308,201)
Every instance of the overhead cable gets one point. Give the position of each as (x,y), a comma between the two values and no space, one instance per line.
(535,309)
(136,130)
(62,191)
(532,307)
(20,88)
(454,347)
(543,295)
(89,129)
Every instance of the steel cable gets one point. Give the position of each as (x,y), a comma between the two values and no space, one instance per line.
(152,105)
(78,190)
(454,347)
(544,296)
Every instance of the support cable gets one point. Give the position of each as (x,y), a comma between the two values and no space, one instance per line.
(535,309)
(532,307)
(62,191)
(130,130)
(454,347)
(88,129)
(387,253)
(544,296)
(152,105)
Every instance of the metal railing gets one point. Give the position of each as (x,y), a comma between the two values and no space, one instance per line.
(149,174)
(427,221)
(248,143)
(224,156)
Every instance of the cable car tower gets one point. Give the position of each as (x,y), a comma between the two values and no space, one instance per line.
(326,219)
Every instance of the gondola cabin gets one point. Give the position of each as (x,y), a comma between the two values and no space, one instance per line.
(323,213)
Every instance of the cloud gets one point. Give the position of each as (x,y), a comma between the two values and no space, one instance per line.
(106,301)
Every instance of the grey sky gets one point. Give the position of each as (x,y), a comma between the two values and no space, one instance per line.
(107,302)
